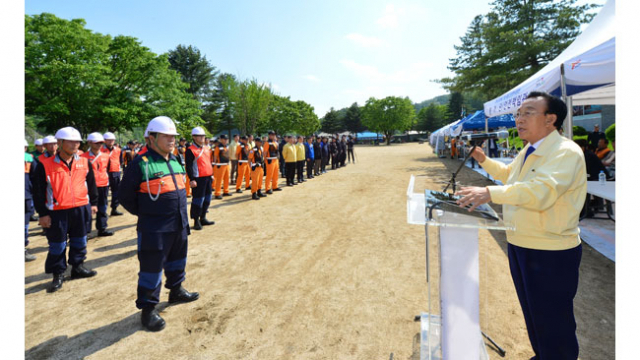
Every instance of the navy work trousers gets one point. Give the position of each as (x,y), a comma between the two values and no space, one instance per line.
(28,211)
(114,182)
(71,223)
(101,215)
(201,197)
(546,282)
(158,251)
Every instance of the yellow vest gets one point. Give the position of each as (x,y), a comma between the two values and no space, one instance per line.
(300,152)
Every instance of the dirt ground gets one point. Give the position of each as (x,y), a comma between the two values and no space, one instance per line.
(325,270)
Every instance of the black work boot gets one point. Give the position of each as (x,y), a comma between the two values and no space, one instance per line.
(206,222)
(238,191)
(81,272)
(56,284)
(218,197)
(260,194)
(151,320)
(269,192)
(196,224)
(277,189)
(105,232)
(181,295)
(255,196)
(227,194)
(115,212)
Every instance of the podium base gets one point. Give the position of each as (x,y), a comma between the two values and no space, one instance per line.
(431,342)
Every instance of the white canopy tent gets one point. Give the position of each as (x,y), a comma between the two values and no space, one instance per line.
(584,73)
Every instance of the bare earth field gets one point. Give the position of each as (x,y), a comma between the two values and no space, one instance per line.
(325,270)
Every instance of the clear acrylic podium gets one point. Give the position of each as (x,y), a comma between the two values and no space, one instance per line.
(451,326)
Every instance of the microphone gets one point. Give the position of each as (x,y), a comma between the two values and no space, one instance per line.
(486,136)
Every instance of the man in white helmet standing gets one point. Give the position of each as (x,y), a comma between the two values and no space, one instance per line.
(50,144)
(114,170)
(39,148)
(99,160)
(153,188)
(65,197)
(198,160)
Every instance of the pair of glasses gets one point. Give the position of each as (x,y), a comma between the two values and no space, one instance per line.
(526,114)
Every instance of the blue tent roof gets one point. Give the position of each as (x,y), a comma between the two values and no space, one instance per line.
(368,135)
(477,121)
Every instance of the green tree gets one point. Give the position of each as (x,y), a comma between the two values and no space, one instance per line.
(454,108)
(431,118)
(250,102)
(330,122)
(281,115)
(195,70)
(388,115)
(75,77)
(512,42)
(307,121)
(353,119)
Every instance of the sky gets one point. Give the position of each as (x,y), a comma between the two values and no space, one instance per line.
(328,53)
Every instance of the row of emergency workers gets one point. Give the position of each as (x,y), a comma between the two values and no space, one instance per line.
(66,187)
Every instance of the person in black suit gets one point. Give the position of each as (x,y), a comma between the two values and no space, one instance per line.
(595,136)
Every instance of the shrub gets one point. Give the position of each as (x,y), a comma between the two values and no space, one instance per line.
(579,130)
(610,133)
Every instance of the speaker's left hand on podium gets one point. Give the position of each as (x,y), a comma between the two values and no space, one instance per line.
(473,195)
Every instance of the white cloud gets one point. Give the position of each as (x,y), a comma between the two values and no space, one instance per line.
(367,71)
(312,78)
(365,41)
(390,18)
(410,74)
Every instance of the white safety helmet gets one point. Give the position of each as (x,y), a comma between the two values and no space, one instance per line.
(38,142)
(162,125)
(68,133)
(26,143)
(109,136)
(96,137)
(49,139)
(198,131)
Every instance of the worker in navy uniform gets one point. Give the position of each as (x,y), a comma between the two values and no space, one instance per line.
(153,189)
(65,196)
(343,151)
(350,143)
(198,158)
(30,166)
(317,153)
(333,152)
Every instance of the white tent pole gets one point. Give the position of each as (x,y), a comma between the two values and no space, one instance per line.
(568,122)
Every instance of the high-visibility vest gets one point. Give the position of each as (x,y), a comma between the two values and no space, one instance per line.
(221,153)
(99,163)
(157,178)
(66,188)
(114,157)
(242,153)
(202,161)
(28,159)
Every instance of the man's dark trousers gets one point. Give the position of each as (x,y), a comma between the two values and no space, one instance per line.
(300,168)
(67,224)
(101,215)
(290,172)
(201,197)
(546,282)
(114,183)
(158,251)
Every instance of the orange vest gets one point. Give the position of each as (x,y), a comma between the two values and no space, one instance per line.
(202,161)
(66,188)
(99,164)
(114,157)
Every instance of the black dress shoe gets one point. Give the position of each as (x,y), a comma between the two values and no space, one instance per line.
(28,256)
(58,279)
(277,189)
(239,191)
(181,295)
(33,218)
(269,192)
(105,233)
(81,272)
(115,212)
(255,196)
(197,225)
(206,222)
(218,197)
(227,194)
(152,320)
(260,194)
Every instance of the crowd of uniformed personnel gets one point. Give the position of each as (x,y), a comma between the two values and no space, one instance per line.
(67,187)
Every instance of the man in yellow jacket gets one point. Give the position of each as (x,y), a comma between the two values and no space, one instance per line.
(545,189)
(289,153)
(300,159)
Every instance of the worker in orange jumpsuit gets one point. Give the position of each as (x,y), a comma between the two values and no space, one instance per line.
(454,150)
(221,166)
(244,170)
(273,166)
(257,171)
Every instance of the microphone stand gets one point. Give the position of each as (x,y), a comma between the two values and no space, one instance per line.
(452,182)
